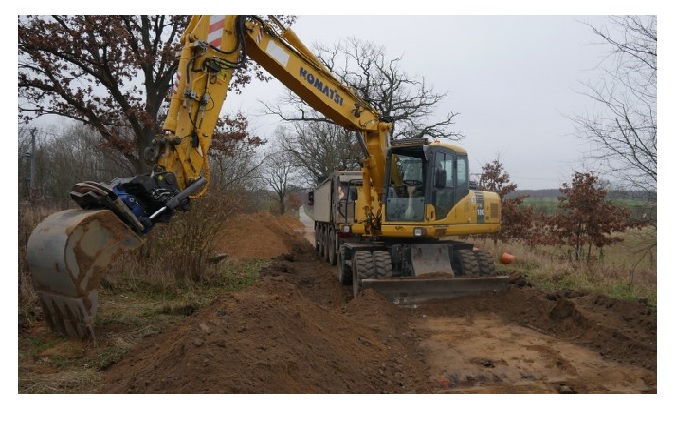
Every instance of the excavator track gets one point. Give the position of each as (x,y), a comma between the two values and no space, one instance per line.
(67,255)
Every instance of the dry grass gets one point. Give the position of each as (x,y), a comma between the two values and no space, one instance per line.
(626,270)
(30,214)
(71,381)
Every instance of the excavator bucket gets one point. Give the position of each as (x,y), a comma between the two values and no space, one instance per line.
(67,254)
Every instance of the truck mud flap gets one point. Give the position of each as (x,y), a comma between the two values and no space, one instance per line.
(67,254)
(410,291)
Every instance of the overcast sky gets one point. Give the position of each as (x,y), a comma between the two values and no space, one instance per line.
(514,80)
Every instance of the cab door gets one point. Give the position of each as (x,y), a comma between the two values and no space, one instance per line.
(443,182)
(449,180)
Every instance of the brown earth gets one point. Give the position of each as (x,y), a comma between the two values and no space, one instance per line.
(299,331)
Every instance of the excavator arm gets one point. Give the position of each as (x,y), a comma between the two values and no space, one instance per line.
(214,47)
(69,251)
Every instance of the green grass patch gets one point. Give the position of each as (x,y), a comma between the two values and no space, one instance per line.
(637,207)
(547,205)
(148,303)
(241,273)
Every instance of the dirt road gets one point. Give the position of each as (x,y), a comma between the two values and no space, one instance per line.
(299,331)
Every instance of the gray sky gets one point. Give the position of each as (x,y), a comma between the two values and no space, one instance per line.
(513,79)
(514,75)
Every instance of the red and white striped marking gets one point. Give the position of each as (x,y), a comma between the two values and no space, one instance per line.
(215,29)
(176,81)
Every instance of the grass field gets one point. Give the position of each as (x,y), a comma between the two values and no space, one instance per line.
(625,270)
(638,208)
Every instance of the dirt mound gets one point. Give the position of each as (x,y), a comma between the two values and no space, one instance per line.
(297,330)
(271,338)
(259,235)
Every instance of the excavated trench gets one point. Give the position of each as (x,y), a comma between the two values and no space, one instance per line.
(297,330)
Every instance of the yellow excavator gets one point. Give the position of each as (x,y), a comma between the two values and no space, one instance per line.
(387,227)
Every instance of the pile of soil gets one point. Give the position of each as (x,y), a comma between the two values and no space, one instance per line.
(292,332)
(259,235)
(297,330)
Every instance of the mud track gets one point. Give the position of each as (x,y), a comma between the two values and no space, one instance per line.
(299,331)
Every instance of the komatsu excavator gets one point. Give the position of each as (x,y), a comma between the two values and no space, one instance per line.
(390,243)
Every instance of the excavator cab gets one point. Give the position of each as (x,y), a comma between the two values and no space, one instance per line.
(421,174)
(406,193)
(428,202)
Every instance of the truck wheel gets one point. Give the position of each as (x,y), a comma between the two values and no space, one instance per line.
(316,243)
(344,270)
(382,264)
(363,268)
(486,263)
(321,241)
(332,247)
(469,264)
(324,239)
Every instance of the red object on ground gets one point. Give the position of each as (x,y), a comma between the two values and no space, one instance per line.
(507,258)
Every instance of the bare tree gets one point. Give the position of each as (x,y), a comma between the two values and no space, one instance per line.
(379,80)
(27,161)
(408,102)
(277,174)
(238,169)
(624,130)
(319,149)
(62,157)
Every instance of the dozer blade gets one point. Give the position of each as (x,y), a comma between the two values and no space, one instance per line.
(67,254)
(419,290)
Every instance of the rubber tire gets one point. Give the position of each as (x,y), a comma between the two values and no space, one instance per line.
(469,264)
(319,240)
(383,267)
(326,243)
(316,243)
(362,268)
(332,247)
(343,269)
(486,262)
